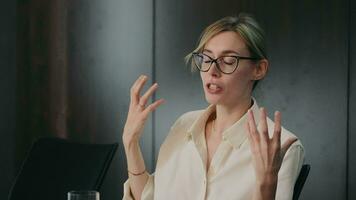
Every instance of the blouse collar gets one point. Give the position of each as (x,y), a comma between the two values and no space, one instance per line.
(235,135)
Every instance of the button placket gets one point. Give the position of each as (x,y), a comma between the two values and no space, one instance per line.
(211,172)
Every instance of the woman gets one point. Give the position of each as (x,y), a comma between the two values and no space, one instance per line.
(231,150)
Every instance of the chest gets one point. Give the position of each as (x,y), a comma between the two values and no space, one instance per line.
(213,141)
(183,174)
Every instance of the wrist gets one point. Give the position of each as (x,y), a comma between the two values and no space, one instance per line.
(266,188)
(129,140)
(129,144)
(268,180)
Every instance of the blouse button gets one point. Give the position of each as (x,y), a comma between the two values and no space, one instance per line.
(189,137)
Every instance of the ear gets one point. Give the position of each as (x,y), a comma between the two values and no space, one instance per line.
(261,69)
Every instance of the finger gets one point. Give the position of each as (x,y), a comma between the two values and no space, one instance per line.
(252,126)
(148,94)
(134,97)
(254,140)
(249,136)
(153,106)
(277,128)
(263,122)
(264,142)
(136,89)
(287,144)
(247,127)
(137,80)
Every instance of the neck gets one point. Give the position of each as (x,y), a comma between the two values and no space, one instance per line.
(227,115)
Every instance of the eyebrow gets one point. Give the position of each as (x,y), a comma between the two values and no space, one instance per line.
(224,52)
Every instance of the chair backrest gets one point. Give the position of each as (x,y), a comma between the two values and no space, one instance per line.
(56,166)
(303,175)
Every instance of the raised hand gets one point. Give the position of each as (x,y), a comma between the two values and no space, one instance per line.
(138,110)
(267,153)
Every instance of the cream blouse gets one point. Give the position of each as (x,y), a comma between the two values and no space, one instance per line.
(181,166)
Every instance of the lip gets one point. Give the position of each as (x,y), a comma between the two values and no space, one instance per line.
(217,90)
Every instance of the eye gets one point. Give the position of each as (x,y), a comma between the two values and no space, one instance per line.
(229,60)
(206,59)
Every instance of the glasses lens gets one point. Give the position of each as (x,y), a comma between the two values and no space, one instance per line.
(198,60)
(228,64)
(202,62)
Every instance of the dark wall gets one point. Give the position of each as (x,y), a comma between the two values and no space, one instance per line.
(8,96)
(109,46)
(352,104)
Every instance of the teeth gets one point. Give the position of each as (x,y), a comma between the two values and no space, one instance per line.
(213,86)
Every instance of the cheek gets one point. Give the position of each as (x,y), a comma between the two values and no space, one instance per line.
(245,74)
(240,79)
(202,76)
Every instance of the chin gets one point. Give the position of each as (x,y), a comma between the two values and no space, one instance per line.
(212,99)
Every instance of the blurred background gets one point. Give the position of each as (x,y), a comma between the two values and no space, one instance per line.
(67,67)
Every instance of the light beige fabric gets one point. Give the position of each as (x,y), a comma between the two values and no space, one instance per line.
(181,170)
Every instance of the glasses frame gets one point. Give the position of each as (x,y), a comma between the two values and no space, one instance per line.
(238,58)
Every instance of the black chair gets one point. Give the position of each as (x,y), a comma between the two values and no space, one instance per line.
(303,175)
(56,166)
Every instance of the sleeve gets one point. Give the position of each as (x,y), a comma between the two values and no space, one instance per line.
(147,193)
(288,174)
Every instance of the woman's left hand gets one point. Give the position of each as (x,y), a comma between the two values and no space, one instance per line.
(267,153)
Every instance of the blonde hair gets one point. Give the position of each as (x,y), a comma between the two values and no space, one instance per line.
(244,25)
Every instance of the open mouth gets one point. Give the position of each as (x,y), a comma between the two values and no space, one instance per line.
(213,88)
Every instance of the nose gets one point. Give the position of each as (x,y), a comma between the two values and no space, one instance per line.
(214,71)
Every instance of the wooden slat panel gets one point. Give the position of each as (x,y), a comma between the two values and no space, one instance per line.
(8,97)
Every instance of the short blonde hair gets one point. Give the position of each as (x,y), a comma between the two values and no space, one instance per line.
(244,25)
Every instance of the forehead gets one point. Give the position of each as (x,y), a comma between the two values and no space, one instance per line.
(226,41)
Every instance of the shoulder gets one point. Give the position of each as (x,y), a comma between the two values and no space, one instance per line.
(177,137)
(294,157)
(285,135)
(179,130)
(186,120)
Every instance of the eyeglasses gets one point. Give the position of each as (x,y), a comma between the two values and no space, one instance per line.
(225,64)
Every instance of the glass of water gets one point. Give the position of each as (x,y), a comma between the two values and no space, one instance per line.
(83,195)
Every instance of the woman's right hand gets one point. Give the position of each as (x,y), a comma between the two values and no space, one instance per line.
(138,111)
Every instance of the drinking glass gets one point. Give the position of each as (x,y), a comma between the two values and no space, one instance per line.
(83,195)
